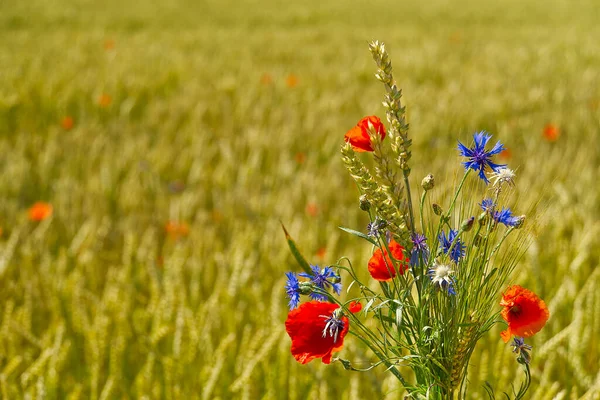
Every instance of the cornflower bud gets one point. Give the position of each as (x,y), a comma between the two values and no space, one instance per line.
(305,288)
(364,203)
(467,224)
(428,182)
(437,209)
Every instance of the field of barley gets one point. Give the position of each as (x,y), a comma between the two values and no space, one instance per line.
(168,139)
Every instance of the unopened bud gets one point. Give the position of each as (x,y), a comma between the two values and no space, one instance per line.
(305,288)
(428,182)
(437,209)
(519,221)
(467,224)
(346,364)
(365,205)
(482,219)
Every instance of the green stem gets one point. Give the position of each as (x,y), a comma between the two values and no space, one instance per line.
(388,364)
(409,200)
(499,244)
(457,192)
(421,205)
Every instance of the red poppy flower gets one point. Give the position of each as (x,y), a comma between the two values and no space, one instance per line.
(321,252)
(551,133)
(109,44)
(358,136)
(40,211)
(524,312)
(355,307)
(381,268)
(175,229)
(104,100)
(266,79)
(312,209)
(505,154)
(300,157)
(291,81)
(310,328)
(67,123)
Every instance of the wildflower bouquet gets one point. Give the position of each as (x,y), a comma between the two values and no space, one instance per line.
(440,272)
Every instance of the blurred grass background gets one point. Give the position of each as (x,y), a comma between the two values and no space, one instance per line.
(227,116)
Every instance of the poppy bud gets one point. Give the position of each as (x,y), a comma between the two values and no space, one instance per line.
(346,364)
(428,182)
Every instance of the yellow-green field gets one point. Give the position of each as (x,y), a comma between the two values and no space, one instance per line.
(227,117)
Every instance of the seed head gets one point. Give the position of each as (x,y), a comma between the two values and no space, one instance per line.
(364,203)
(428,182)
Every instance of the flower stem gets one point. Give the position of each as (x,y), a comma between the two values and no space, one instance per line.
(409,201)
(456,193)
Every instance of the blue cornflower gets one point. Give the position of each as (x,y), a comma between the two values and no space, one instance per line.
(458,249)
(419,249)
(522,350)
(487,205)
(323,279)
(333,325)
(292,288)
(478,158)
(440,274)
(375,228)
(506,217)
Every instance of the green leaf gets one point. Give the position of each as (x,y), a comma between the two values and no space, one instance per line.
(349,286)
(359,234)
(369,304)
(296,253)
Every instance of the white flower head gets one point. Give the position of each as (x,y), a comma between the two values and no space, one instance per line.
(440,275)
(503,175)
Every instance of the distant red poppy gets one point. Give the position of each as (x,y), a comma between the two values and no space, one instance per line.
(358,136)
(321,252)
(551,133)
(217,216)
(505,154)
(312,209)
(67,123)
(382,269)
(316,331)
(266,79)
(40,211)
(300,157)
(291,81)
(109,44)
(104,100)
(524,312)
(175,229)
(455,37)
